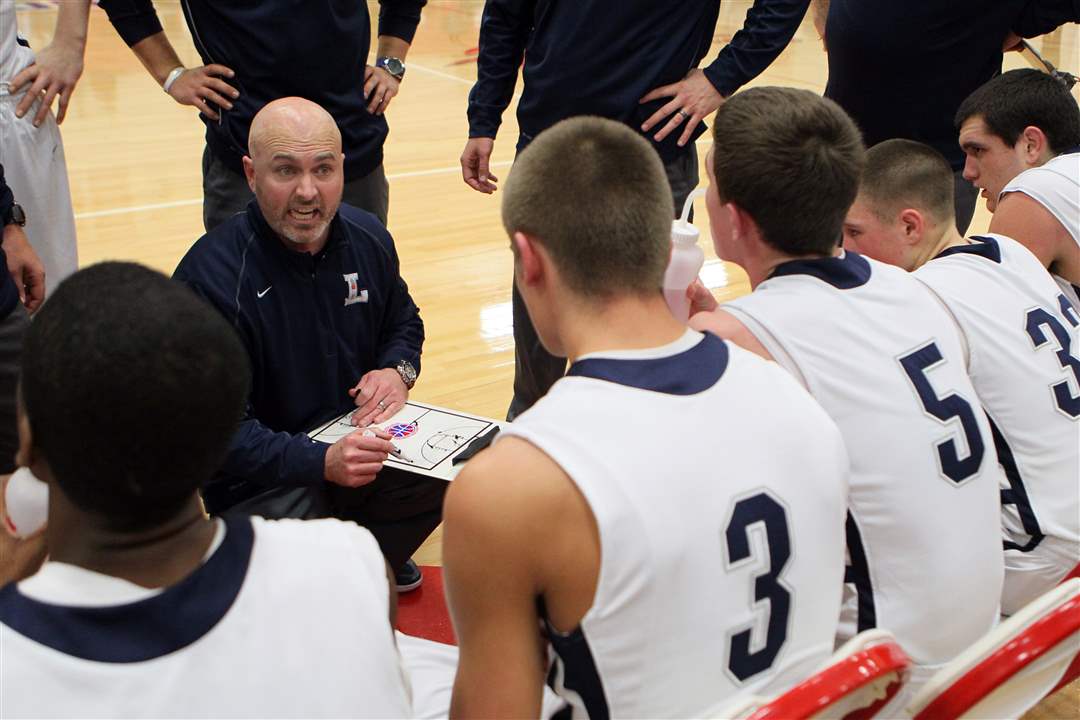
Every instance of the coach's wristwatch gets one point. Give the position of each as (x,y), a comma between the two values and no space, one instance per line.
(392,65)
(16,216)
(407,372)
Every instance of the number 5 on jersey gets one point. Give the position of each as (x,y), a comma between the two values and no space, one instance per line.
(952,406)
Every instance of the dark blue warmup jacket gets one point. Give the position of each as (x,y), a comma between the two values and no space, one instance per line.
(316,49)
(599,57)
(306,345)
(901,68)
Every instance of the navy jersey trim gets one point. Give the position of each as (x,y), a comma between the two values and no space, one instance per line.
(844,272)
(687,373)
(578,669)
(986,247)
(143,630)
(1016,493)
(858,573)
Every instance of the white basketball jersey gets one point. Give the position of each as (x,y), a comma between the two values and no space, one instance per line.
(884,359)
(1056,186)
(285,618)
(719,489)
(1024,360)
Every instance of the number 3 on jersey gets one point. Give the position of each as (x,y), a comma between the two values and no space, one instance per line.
(952,406)
(764,510)
(1039,321)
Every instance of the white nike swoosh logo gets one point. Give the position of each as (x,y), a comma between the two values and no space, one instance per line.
(260,294)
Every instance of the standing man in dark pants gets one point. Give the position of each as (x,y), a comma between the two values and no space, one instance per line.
(901,69)
(22,289)
(313,288)
(255,52)
(635,61)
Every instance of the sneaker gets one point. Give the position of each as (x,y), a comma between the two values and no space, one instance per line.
(408,577)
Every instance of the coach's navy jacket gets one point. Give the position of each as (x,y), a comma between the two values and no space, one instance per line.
(901,69)
(316,49)
(311,329)
(599,57)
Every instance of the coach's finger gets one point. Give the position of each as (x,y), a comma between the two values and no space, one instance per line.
(660,114)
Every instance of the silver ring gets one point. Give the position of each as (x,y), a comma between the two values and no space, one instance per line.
(381,404)
(685,115)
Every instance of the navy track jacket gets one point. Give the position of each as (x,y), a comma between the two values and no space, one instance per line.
(599,57)
(901,69)
(313,325)
(316,49)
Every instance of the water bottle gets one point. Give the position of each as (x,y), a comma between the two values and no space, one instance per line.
(26,503)
(686,261)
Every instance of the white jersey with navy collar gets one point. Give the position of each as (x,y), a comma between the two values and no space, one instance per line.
(285,618)
(719,490)
(1024,360)
(1056,186)
(883,357)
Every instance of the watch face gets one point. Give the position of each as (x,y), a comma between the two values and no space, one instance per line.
(407,372)
(394,66)
(17,215)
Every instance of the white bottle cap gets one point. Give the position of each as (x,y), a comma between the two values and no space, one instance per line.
(26,503)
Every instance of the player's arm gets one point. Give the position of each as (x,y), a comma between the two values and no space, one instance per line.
(1024,219)
(723,324)
(137,23)
(492,533)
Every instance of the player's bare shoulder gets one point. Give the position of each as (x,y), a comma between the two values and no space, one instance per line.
(723,324)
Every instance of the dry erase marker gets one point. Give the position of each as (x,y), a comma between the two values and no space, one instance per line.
(394,449)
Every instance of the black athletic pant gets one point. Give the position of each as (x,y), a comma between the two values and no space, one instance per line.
(401,509)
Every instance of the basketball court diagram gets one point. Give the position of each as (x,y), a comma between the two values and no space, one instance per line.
(427,436)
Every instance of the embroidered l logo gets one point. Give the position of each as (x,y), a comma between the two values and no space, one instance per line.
(355,294)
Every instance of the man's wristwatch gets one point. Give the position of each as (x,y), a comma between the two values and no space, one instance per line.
(407,372)
(16,216)
(392,65)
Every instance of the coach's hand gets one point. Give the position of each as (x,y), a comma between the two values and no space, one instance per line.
(55,72)
(380,87)
(378,395)
(356,459)
(692,99)
(25,267)
(475,162)
(198,87)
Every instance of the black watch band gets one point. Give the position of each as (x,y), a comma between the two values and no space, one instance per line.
(15,216)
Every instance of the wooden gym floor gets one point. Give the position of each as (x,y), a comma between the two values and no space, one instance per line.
(133,159)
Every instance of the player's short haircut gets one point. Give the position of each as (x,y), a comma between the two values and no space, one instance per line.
(1017,99)
(790,159)
(133,387)
(907,174)
(594,193)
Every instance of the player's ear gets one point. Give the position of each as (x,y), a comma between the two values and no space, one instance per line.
(912,223)
(527,256)
(742,225)
(1034,147)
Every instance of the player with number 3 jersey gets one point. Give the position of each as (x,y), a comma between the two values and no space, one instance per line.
(672,512)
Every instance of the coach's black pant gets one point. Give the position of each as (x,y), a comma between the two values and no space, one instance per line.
(401,509)
(12,329)
(965,195)
(535,369)
(226,192)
